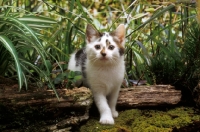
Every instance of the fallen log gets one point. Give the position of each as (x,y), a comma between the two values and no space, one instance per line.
(74,104)
(78,97)
(154,95)
(40,105)
(137,96)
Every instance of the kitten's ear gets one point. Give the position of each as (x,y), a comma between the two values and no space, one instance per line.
(119,33)
(91,34)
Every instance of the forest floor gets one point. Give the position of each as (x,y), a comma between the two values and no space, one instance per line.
(171,119)
(178,118)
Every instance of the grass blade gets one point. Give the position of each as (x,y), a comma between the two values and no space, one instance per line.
(10,47)
(156,15)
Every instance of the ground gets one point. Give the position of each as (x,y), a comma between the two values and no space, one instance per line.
(178,119)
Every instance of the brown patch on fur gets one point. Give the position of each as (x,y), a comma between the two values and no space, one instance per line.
(99,40)
(91,33)
(105,34)
(103,53)
(118,37)
(107,42)
(121,51)
(119,45)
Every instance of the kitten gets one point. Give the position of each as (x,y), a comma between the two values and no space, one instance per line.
(102,65)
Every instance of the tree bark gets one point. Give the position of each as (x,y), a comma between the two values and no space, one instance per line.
(78,97)
(154,95)
(71,109)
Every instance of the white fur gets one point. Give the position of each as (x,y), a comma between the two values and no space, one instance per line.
(104,74)
(72,63)
(105,77)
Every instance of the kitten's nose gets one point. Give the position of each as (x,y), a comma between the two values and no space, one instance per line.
(103,54)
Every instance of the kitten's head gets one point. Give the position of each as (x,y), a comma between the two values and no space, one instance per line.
(105,47)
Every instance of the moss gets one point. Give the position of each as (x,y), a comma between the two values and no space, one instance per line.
(146,120)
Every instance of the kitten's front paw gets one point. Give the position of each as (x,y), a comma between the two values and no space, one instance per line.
(115,114)
(107,120)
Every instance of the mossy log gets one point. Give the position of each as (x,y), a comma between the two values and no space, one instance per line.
(154,95)
(78,97)
(74,104)
(43,105)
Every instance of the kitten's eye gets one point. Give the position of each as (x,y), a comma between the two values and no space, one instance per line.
(111,47)
(97,47)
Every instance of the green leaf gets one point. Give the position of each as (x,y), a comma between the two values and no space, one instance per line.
(57,80)
(38,19)
(78,77)
(71,75)
(18,23)
(49,65)
(150,9)
(156,15)
(10,47)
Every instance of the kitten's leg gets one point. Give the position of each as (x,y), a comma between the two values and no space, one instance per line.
(112,101)
(104,110)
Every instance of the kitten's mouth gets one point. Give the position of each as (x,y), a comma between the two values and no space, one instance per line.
(103,58)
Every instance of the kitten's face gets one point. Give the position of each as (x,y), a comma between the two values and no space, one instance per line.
(105,47)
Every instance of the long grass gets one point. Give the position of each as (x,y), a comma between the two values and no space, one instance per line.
(50,31)
(23,45)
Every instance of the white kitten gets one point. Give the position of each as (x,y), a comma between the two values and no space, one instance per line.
(102,65)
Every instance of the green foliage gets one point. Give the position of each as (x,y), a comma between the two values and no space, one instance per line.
(51,30)
(155,52)
(191,54)
(21,46)
(74,78)
(68,79)
(9,48)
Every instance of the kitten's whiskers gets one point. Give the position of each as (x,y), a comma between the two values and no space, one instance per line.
(114,59)
(93,59)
